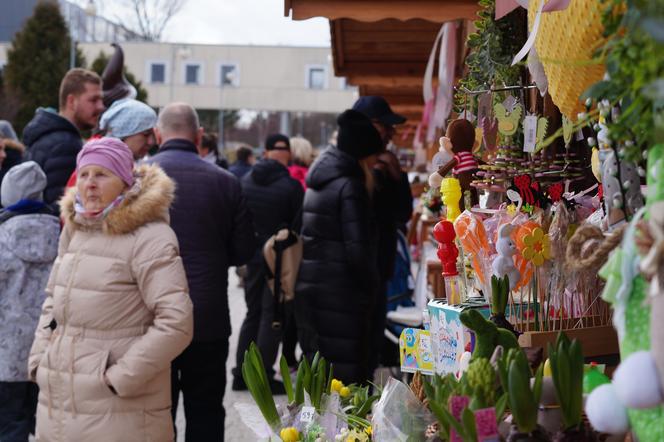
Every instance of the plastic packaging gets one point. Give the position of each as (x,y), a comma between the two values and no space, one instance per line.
(399,416)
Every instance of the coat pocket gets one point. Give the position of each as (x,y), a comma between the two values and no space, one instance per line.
(101,371)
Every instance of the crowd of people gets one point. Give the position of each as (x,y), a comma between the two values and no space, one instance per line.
(114,262)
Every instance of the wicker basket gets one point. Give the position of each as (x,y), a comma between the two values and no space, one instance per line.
(565,44)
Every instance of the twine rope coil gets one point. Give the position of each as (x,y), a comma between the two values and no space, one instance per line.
(578,255)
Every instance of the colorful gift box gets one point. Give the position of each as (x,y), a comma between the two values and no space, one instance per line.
(449,338)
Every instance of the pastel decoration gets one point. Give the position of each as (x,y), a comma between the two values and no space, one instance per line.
(473,238)
(503,265)
(450,192)
(490,133)
(508,120)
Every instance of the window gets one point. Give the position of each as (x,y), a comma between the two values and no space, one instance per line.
(229,74)
(316,77)
(192,74)
(157,73)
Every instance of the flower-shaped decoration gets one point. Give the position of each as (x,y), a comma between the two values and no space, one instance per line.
(537,247)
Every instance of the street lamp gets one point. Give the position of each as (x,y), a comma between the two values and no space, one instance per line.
(227,76)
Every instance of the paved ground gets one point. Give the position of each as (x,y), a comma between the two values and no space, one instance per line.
(236,431)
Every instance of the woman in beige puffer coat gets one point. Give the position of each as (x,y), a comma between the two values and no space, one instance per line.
(117,310)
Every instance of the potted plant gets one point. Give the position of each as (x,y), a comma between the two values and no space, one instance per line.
(523,400)
(566,360)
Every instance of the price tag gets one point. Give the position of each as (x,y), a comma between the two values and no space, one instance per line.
(529,133)
(307,415)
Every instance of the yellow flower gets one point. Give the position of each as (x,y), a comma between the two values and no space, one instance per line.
(369,431)
(289,434)
(538,247)
(511,210)
(337,385)
(344,392)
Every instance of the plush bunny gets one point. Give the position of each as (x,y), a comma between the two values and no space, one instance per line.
(503,265)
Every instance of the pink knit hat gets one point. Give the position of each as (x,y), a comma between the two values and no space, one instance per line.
(109,153)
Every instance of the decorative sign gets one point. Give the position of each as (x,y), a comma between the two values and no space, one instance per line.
(307,415)
(415,351)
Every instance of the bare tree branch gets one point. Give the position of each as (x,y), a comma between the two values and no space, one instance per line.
(149,18)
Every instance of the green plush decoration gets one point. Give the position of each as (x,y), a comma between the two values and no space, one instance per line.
(646,424)
(489,336)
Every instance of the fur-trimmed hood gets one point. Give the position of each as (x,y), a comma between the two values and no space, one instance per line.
(147,201)
(13,144)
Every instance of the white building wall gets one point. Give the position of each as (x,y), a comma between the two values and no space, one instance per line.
(268,78)
(272,78)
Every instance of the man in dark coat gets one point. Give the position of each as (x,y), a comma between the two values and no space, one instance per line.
(275,201)
(213,226)
(244,161)
(393,206)
(338,279)
(53,138)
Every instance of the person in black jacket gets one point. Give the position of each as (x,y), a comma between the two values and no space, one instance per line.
(393,206)
(338,279)
(275,201)
(53,139)
(214,228)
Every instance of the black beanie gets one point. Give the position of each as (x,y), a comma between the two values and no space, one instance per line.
(274,139)
(357,135)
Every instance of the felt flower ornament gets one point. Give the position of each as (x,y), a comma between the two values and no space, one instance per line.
(537,247)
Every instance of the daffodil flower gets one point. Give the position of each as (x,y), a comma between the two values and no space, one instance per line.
(344,392)
(538,247)
(337,385)
(289,434)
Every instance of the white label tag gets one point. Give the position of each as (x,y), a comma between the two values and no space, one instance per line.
(529,133)
(307,415)
(579,135)
(483,107)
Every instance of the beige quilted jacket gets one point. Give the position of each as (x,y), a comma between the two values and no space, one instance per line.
(118,294)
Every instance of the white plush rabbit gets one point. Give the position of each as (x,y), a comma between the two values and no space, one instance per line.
(503,264)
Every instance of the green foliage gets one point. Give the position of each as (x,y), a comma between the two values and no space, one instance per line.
(634,56)
(523,401)
(37,61)
(482,380)
(500,289)
(492,48)
(99,64)
(567,372)
(254,375)
(359,402)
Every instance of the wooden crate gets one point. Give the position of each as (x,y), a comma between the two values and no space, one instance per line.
(595,341)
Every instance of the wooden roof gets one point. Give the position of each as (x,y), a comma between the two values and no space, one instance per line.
(383,46)
(438,11)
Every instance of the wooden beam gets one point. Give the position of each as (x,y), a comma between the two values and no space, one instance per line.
(374,10)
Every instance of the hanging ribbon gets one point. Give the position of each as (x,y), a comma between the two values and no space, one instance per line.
(543,6)
(443,99)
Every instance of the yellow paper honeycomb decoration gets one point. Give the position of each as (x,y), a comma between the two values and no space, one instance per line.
(565,44)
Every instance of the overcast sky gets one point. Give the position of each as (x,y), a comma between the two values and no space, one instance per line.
(259,22)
